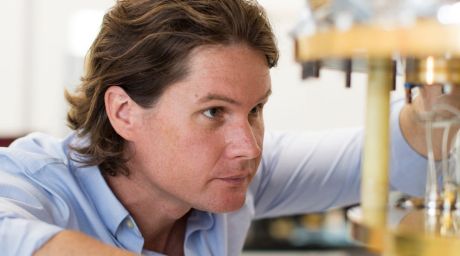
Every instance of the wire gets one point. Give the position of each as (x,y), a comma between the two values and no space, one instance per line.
(431,185)
(445,155)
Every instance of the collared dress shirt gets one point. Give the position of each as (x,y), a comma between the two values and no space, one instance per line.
(44,191)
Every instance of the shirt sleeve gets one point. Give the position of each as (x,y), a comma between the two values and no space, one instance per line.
(312,172)
(26,216)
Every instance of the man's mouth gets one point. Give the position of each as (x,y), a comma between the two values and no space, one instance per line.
(234,180)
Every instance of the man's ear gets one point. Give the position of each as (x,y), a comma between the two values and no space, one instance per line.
(121,111)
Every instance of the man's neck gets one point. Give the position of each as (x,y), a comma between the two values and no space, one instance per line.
(161,221)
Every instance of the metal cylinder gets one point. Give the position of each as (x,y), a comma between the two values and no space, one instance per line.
(374,185)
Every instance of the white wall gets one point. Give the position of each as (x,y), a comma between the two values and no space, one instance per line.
(12,67)
(37,65)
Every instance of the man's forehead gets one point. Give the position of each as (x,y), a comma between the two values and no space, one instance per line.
(215,56)
(233,74)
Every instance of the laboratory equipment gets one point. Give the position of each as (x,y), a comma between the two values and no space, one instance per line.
(420,41)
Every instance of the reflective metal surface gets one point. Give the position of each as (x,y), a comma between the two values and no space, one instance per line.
(408,233)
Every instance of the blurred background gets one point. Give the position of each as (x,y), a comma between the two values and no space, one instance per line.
(42,48)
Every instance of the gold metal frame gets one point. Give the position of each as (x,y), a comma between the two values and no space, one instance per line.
(424,38)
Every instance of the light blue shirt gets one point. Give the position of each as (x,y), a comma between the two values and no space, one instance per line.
(43,191)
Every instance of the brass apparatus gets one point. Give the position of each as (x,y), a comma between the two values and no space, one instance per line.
(419,40)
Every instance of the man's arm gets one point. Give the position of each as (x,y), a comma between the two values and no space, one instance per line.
(75,243)
(314,171)
(29,223)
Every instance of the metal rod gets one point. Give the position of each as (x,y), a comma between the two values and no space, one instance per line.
(394,71)
(348,66)
(374,184)
(311,69)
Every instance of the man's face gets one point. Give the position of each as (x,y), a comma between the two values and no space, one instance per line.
(200,145)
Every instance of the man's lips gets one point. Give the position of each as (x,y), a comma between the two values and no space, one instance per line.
(238,176)
(234,179)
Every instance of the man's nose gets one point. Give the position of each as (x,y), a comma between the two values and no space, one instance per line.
(243,141)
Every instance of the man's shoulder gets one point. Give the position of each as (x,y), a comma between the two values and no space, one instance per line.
(39,162)
(33,153)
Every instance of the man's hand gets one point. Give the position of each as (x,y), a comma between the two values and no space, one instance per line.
(431,103)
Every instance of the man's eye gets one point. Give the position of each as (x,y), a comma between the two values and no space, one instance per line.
(256,110)
(213,113)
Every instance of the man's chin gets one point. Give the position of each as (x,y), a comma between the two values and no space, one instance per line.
(226,205)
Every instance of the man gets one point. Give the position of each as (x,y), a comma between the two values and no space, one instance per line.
(166,157)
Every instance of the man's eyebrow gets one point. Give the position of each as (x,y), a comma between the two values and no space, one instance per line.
(266,95)
(215,96)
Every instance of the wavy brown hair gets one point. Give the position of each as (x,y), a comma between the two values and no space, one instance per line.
(143,47)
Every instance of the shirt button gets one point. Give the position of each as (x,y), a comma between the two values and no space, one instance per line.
(129,224)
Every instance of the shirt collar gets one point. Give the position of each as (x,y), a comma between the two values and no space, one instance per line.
(107,205)
(199,220)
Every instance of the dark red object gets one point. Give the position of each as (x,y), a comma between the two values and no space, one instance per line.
(5,142)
